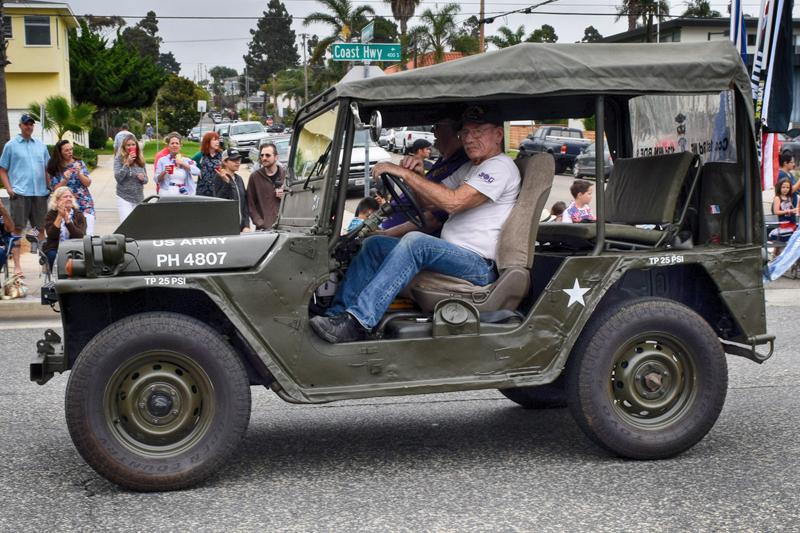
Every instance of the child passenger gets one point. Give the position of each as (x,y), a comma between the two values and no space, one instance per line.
(365,208)
(580,210)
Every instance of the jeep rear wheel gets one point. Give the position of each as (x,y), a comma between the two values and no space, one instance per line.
(647,379)
(157,401)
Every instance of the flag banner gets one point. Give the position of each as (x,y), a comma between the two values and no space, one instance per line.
(737,32)
(779,85)
(769,160)
(789,256)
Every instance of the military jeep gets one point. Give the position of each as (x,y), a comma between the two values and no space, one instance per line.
(170,321)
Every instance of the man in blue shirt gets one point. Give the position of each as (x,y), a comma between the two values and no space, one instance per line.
(22,171)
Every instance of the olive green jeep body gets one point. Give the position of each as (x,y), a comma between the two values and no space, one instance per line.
(168,322)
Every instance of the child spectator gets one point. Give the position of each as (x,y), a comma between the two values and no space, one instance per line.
(785,206)
(556,213)
(365,208)
(580,210)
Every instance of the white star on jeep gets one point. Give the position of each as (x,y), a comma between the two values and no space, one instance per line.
(576,294)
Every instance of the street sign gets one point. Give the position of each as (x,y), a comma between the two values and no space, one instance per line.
(365,52)
(368,32)
(201,106)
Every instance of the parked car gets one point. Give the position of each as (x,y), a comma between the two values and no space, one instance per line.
(275,128)
(355,177)
(564,144)
(194,134)
(404,137)
(245,135)
(282,143)
(584,166)
(386,137)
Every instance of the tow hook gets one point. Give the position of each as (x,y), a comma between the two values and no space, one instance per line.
(50,358)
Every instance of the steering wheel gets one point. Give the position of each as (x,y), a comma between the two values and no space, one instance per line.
(402,199)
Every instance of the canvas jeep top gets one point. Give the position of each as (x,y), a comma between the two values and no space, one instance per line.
(627,321)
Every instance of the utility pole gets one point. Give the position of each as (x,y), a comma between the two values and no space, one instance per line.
(246,94)
(481,27)
(275,94)
(305,67)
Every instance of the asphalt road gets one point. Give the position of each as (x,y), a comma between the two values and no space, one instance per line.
(471,461)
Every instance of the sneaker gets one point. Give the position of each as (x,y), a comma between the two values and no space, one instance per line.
(342,328)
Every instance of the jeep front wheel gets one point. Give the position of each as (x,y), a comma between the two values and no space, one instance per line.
(157,401)
(647,379)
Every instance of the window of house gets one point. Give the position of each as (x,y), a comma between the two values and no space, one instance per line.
(7,27)
(37,30)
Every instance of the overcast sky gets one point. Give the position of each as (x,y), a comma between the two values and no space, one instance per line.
(202,44)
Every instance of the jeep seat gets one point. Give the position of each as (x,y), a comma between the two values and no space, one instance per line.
(643,190)
(515,249)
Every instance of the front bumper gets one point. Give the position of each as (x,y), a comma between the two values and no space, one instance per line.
(49,358)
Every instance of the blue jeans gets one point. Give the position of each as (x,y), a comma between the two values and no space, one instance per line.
(51,257)
(386,264)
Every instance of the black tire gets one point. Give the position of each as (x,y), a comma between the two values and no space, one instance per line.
(647,379)
(550,396)
(157,401)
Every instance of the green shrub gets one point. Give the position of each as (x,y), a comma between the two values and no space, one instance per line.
(88,155)
(97,138)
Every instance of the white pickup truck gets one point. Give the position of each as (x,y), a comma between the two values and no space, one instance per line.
(404,137)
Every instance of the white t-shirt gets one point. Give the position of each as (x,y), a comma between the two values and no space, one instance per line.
(478,229)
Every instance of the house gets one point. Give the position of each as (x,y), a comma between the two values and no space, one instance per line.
(709,29)
(38,51)
(423,60)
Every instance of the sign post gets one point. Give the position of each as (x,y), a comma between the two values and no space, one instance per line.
(365,52)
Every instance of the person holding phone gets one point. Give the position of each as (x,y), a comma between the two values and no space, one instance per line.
(174,171)
(131,175)
(63,221)
(67,171)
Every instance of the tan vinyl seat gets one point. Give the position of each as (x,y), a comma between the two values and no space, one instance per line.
(515,249)
(640,191)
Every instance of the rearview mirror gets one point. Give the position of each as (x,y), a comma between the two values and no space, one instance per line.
(375,126)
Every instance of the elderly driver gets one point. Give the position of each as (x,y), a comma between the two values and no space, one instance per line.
(479,197)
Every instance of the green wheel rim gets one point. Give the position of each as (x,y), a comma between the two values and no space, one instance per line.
(653,381)
(159,403)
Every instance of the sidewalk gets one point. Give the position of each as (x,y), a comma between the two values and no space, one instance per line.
(783,292)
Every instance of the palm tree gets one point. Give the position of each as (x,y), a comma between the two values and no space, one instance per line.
(63,117)
(507,37)
(291,82)
(700,9)
(402,11)
(646,9)
(344,18)
(438,29)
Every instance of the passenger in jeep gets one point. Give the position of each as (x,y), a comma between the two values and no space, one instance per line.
(479,197)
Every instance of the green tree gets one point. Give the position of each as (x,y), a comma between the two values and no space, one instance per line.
(507,37)
(385,31)
(177,103)
(144,36)
(344,19)
(101,25)
(4,131)
(62,117)
(169,63)
(109,77)
(545,34)
(272,47)
(591,35)
(644,9)
(402,11)
(438,29)
(466,40)
(700,9)
(220,72)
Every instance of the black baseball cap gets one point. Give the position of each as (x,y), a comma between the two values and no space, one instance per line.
(482,114)
(419,144)
(26,118)
(231,154)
